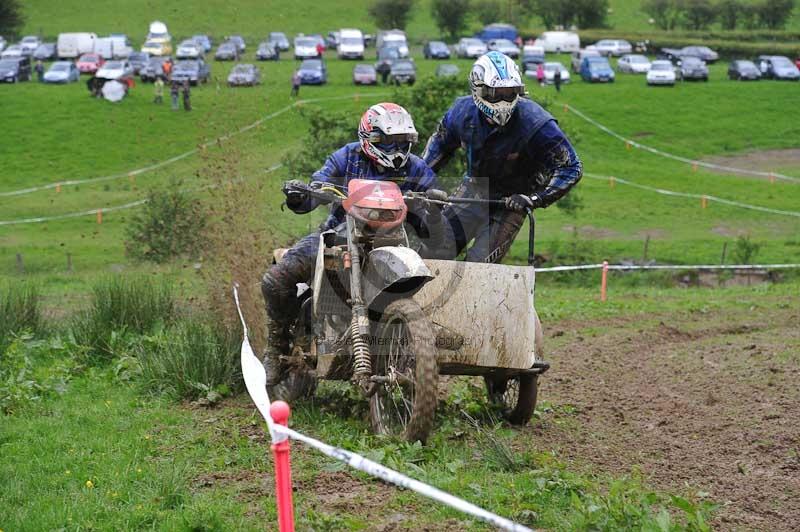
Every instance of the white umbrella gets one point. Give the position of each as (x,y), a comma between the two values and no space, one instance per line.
(113,91)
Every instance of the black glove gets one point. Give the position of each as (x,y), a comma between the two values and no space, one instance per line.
(436,194)
(522,203)
(295,195)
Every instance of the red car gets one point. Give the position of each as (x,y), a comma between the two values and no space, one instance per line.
(89,63)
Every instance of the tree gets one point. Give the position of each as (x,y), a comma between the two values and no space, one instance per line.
(666,13)
(11,17)
(489,11)
(390,14)
(775,13)
(554,12)
(729,12)
(590,13)
(450,16)
(698,14)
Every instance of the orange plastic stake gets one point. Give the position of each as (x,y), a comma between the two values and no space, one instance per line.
(612,181)
(280,412)
(99,216)
(703,202)
(132,177)
(566,108)
(58,188)
(694,167)
(604,282)
(772,178)
(628,145)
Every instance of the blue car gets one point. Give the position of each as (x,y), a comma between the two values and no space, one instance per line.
(596,69)
(313,72)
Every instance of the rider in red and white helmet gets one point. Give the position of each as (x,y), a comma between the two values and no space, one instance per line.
(386,133)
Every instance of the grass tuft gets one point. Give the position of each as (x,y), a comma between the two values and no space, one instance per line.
(19,311)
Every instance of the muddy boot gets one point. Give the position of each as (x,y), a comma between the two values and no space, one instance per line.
(277,350)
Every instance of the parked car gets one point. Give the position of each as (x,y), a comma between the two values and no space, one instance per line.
(158,32)
(692,68)
(89,63)
(386,58)
(559,42)
(742,70)
(14,69)
(313,72)
(395,38)
(550,70)
(188,49)
(29,44)
(350,45)
(332,39)
(504,46)
(633,64)
(615,47)
(578,57)
(115,70)
(238,40)
(436,50)
(244,75)
(45,51)
(157,48)
(267,51)
(703,52)
(62,72)
(138,60)
(595,69)
(305,48)
(227,51)
(403,71)
(195,70)
(279,39)
(496,31)
(12,51)
(153,69)
(364,74)
(447,70)
(203,41)
(661,72)
(778,67)
(470,48)
(532,57)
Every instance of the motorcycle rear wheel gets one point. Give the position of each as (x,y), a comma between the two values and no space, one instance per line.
(515,396)
(404,405)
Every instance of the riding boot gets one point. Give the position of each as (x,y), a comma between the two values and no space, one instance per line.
(276,352)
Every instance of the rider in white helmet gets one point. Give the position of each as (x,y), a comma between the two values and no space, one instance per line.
(514,150)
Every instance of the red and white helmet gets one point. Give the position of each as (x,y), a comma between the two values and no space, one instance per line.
(387,133)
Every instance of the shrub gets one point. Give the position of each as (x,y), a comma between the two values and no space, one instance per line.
(745,250)
(121,306)
(170,225)
(488,11)
(19,311)
(699,14)
(391,13)
(191,360)
(12,18)
(450,15)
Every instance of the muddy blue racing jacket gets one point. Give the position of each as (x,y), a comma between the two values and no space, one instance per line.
(528,155)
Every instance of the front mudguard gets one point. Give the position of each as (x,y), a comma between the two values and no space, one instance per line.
(392,273)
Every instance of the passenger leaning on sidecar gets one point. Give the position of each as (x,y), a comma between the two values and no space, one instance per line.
(514,149)
(386,134)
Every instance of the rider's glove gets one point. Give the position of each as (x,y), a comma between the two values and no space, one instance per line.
(436,194)
(295,195)
(522,203)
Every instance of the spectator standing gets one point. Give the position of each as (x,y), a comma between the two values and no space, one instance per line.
(320,50)
(166,67)
(540,74)
(158,90)
(557,79)
(39,69)
(187,102)
(295,83)
(173,92)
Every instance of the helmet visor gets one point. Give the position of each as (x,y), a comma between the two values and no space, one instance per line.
(498,94)
(400,139)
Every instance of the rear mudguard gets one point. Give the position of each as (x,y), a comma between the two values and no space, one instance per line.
(391,273)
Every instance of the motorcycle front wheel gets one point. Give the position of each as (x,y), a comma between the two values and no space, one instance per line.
(515,396)
(404,361)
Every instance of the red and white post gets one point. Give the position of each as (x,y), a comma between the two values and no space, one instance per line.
(280,411)
(604,282)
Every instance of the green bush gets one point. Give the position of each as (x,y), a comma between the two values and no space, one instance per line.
(191,360)
(122,306)
(169,225)
(19,311)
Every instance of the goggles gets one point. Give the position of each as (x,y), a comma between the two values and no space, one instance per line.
(399,139)
(498,94)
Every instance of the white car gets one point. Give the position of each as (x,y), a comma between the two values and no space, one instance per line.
(550,70)
(351,44)
(305,48)
(661,73)
(633,64)
(188,50)
(504,46)
(470,48)
(115,70)
(14,50)
(29,44)
(613,47)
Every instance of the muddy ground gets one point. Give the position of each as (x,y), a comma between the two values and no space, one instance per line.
(762,160)
(707,402)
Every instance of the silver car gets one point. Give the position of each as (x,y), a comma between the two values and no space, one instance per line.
(62,72)
(470,48)
(504,46)
(244,75)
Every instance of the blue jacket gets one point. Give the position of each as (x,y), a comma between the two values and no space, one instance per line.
(528,155)
(348,162)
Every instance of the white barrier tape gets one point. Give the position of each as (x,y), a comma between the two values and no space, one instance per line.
(181,156)
(678,157)
(624,267)
(692,195)
(255,378)
(111,209)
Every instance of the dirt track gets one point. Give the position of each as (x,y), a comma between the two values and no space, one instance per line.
(709,401)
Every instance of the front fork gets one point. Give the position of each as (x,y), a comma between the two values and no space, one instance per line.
(359,327)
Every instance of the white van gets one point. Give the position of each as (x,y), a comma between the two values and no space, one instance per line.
(394,38)
(72,45)
(158,32)
(559,42)
(351,44)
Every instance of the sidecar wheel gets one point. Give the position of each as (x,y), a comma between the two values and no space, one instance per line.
(515,396)
(297,384)
(405,352)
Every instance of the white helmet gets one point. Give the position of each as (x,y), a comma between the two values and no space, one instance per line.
(387,133)
(496,86)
